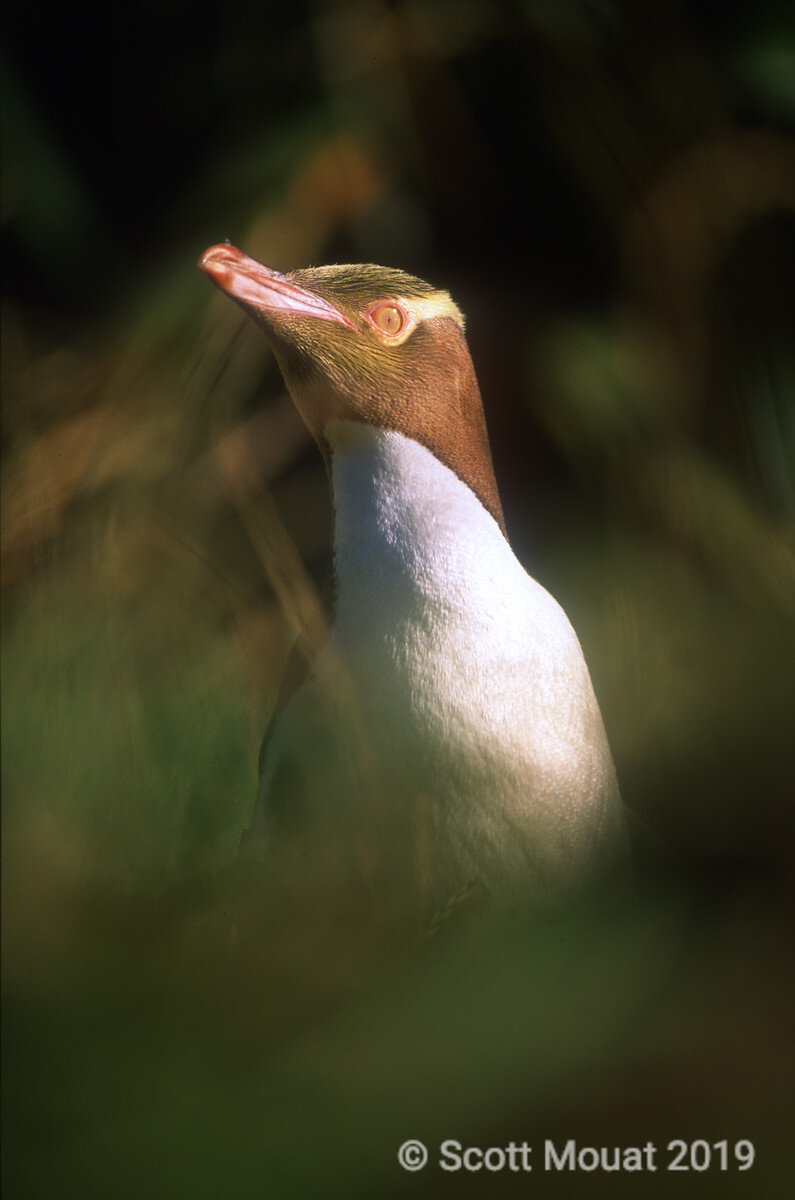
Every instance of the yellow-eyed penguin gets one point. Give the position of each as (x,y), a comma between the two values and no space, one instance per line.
(448,740)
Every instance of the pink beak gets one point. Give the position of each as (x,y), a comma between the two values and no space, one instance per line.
(260,289)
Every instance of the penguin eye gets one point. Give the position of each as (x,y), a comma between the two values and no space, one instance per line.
(390,318)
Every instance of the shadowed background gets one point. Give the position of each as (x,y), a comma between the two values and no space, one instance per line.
(608,191)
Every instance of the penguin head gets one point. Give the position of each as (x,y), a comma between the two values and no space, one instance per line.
(372,344)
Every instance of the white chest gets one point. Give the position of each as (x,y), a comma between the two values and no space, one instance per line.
(462,730)
(470,674)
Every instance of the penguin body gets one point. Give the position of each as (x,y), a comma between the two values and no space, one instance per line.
(449,738)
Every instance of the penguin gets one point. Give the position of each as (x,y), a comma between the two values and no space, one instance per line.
(447,745)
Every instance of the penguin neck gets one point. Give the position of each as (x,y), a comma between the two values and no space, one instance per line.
(403,521)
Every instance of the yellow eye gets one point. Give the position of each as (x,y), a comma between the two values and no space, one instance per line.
(389,318)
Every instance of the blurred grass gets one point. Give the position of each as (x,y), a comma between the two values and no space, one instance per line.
(164,529)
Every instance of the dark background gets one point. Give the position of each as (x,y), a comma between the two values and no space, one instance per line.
(608,190)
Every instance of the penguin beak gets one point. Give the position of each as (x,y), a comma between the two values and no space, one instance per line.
(261,290)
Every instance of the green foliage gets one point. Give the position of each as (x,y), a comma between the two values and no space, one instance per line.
(163,528)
